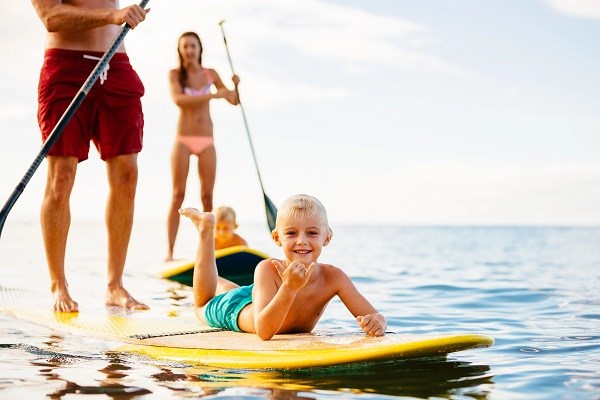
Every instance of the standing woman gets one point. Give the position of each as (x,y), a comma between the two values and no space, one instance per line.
(191,85)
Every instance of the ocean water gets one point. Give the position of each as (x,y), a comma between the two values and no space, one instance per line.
(534,289)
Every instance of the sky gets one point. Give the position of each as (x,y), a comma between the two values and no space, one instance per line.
(390,112)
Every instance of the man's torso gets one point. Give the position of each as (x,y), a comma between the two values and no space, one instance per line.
(97,39)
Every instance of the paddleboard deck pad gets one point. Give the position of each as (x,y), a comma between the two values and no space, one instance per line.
(235,263)
(178,336)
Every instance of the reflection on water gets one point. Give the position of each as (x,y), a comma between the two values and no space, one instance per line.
(116,391)
(423,378)
(111,385)
(115,375)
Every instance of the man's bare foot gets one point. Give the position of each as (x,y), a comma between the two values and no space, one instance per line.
(63,301)
(204,221)
(169,258)
(121,298)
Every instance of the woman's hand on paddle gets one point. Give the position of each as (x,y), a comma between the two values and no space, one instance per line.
(221,93)
(294,275)
(232,97)
(373,324)
(224,93)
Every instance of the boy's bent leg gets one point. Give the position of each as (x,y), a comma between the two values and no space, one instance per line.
(55,218)
(225,285)
(205,271)
(122,179)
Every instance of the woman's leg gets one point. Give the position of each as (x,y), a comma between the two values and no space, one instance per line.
(180,163)
(207,170)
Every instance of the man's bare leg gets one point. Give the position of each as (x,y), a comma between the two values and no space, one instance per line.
(55,218)
(122,179)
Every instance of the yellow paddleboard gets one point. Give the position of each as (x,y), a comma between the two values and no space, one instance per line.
(178,336)
(234,263)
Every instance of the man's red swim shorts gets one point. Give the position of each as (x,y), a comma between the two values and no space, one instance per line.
(110,115)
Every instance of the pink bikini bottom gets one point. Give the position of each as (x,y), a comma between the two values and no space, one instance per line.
(196,144)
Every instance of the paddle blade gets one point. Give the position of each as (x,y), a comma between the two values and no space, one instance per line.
(271,212)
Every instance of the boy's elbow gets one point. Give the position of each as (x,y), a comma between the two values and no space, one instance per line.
(264,332)
(265,337)
(199,313)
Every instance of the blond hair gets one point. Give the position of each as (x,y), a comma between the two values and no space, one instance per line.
(223,212)
(302,205)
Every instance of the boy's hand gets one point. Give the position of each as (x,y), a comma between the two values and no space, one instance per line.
(295,275)
(373,324)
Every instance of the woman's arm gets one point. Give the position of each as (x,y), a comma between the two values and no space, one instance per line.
(181,99)
(230,95)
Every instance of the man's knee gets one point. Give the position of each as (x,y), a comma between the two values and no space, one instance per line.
(61,177)
(123,172)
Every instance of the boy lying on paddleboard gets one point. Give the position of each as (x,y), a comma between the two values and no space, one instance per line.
(287,296)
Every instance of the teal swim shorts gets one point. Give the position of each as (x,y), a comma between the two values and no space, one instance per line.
(222,311)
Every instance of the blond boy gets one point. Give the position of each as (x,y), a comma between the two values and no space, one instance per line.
(225,227)
(289,295)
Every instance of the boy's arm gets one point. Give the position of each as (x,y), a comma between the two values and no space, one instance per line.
(367,317)
(272,303)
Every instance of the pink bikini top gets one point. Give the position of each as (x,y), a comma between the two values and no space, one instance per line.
(204,90)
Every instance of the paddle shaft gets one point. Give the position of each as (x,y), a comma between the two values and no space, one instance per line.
(64,120)
(271,210)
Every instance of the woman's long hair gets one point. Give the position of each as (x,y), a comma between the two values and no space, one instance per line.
(183,75)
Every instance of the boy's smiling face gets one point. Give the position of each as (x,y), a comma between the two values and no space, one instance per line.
(302,238)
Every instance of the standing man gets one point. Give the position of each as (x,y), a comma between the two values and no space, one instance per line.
(79,33)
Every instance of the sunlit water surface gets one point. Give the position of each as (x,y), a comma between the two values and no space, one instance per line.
(535,290)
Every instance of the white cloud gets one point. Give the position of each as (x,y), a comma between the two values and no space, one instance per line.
(351,35)
(264,35)
(579,8)
(311,28)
